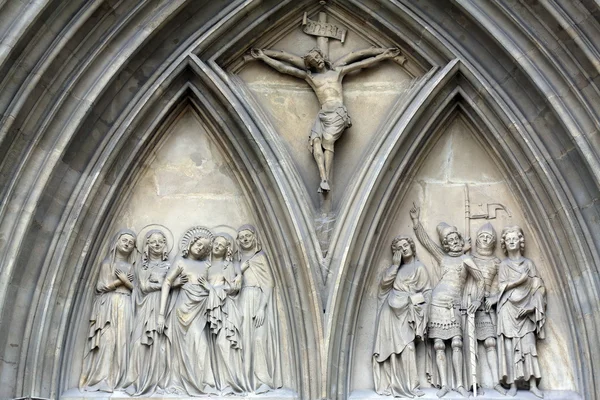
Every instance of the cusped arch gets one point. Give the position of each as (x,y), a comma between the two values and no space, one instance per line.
(534,180)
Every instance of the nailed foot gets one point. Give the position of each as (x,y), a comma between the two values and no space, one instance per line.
(324,187)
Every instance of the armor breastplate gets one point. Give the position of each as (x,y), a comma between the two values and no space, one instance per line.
(488,268)
(450,286)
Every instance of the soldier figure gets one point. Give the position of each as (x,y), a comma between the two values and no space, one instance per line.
(485,316)
(445,319)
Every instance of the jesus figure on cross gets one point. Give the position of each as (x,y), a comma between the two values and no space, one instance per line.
(325,78)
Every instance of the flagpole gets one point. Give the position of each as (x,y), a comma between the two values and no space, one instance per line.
(470,317)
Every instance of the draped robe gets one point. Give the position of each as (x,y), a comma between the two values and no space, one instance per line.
(520,332)
(107,350)
(149,350)
(187,331)
(398,323)
(262,354)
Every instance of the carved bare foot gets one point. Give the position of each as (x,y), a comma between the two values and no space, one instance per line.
(512,391)
(536,391)
(324,187)
(419,393)
(443,391)
(463,391)
(500,389)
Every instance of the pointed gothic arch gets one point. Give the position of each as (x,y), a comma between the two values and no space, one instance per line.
(85,85)
(454,91)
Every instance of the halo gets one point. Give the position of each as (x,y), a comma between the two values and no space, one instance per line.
(228,230)
(192,232)
(142,236)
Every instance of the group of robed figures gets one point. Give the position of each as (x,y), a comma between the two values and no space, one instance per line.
(205,323)
(502,301)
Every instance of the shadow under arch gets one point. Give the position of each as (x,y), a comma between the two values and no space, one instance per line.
(100,194)
(538,186)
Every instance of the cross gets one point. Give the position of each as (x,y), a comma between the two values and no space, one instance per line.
(323,30)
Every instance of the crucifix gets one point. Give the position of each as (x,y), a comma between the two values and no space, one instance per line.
(325,78)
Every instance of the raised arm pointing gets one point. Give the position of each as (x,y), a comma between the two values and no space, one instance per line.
(436,251)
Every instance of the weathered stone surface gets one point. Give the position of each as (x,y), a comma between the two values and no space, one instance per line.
(438,186)
(117,114)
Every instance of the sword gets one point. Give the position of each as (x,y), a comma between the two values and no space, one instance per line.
(472,348)
(492,209)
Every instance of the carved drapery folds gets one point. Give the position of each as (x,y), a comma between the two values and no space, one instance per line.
(477,300)
(204,324)
(90,88)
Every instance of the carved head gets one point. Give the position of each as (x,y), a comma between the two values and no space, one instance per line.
(405,245)
(191,244)
(315,60)
(155,243)
(450,238)
(222,246)
(512,239)
(199,248)
(124,242)
(247,238)
(486,240)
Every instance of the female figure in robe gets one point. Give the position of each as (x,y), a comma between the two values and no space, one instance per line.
(521,314)
(223,284)
(106,354)
(260,330)
(406,293)
(149,350)
(187,325)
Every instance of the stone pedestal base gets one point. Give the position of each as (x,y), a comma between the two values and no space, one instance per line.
(490,394)
(75,394)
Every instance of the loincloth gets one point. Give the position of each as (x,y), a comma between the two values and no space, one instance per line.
(329,126)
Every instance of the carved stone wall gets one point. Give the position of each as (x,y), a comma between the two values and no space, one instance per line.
(123,114)
(457,160)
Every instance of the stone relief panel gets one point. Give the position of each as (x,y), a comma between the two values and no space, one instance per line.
(502,265)
(364,98)
(185,302)
(188,176)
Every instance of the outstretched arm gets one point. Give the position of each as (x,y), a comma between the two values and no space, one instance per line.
(358,55)
(291,59)
(278,65)
(386,54)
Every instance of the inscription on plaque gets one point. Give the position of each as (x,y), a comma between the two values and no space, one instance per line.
(326,29)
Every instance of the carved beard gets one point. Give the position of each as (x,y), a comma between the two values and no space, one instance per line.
(453,253)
